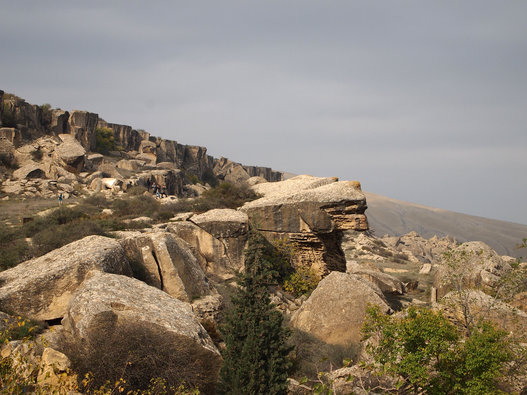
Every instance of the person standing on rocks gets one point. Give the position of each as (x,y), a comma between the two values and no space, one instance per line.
(60,199)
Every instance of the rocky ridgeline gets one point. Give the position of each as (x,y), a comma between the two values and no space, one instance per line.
(53,144)
(175,278)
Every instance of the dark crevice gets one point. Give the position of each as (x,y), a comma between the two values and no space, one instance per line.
(54,321)
(158,269)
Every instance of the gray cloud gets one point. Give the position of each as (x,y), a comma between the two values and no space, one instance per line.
(421,101)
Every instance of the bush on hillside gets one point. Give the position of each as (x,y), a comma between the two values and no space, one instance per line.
(135,353)
(430,354)
(104,141)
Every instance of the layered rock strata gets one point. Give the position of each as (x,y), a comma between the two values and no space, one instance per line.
(311,213)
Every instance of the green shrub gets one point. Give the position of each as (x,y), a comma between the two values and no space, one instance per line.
(208,177)
(136,190)
(430,354)
(255,357)
(302,281)
(97,200)
(142,205)
(225,195)
(104,141)
(56,236)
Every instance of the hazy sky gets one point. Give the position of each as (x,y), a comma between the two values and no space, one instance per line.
(420,101)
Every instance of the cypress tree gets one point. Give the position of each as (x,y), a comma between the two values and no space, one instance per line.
(255,354)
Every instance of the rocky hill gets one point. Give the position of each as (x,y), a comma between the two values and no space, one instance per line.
(395,218)
(132,288)
(45,143)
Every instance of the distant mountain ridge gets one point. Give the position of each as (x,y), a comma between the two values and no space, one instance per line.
(395,217)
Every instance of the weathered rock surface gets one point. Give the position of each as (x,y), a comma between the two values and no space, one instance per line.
(82,125)
(70,152)
(41,288)
(108,303)
(424,250)
(335,311)
(107,300)
(483,307)
(387,284)
(222,251)
(29,170)
(170,264)
(311,212)
(474,264)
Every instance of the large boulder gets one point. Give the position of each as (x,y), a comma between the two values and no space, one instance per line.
(471,265)
(82,125)
(29,170)
(7,152)
(310,212)
(219,236)
(472,306)
(424,250)
(107,304)
(41,288)
(169,264)
(70,152)
(335,311)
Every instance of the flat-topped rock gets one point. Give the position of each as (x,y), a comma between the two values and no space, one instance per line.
(220,215)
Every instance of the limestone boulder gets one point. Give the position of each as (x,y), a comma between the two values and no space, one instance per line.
(255,181)
(41,288)
(312,213)
(70,152)
(149,159)
(170,264)
(53,365)
(483,307)
(335,311)
(474,265)
(82,125)
(29,170)
(130,164)
(424,250)
(223,223)
(223,256)
(108,303)
(93,161)
(109,170)
(387,283)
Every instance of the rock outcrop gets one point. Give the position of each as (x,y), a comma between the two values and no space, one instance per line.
(335,311)
(219,236)
(472,265)
(41,288)
(70,152)
(23,123)
(170,264)
(312,213)
(110,303)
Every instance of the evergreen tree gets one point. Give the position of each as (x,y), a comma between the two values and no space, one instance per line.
(255,356)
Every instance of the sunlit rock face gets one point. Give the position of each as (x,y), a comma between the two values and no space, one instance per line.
(312,213)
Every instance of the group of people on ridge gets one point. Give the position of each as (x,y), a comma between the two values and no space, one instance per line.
(158,190)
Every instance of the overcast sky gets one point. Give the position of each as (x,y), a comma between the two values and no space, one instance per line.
(420,101)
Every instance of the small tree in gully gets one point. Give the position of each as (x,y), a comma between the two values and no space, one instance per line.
(255,355)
